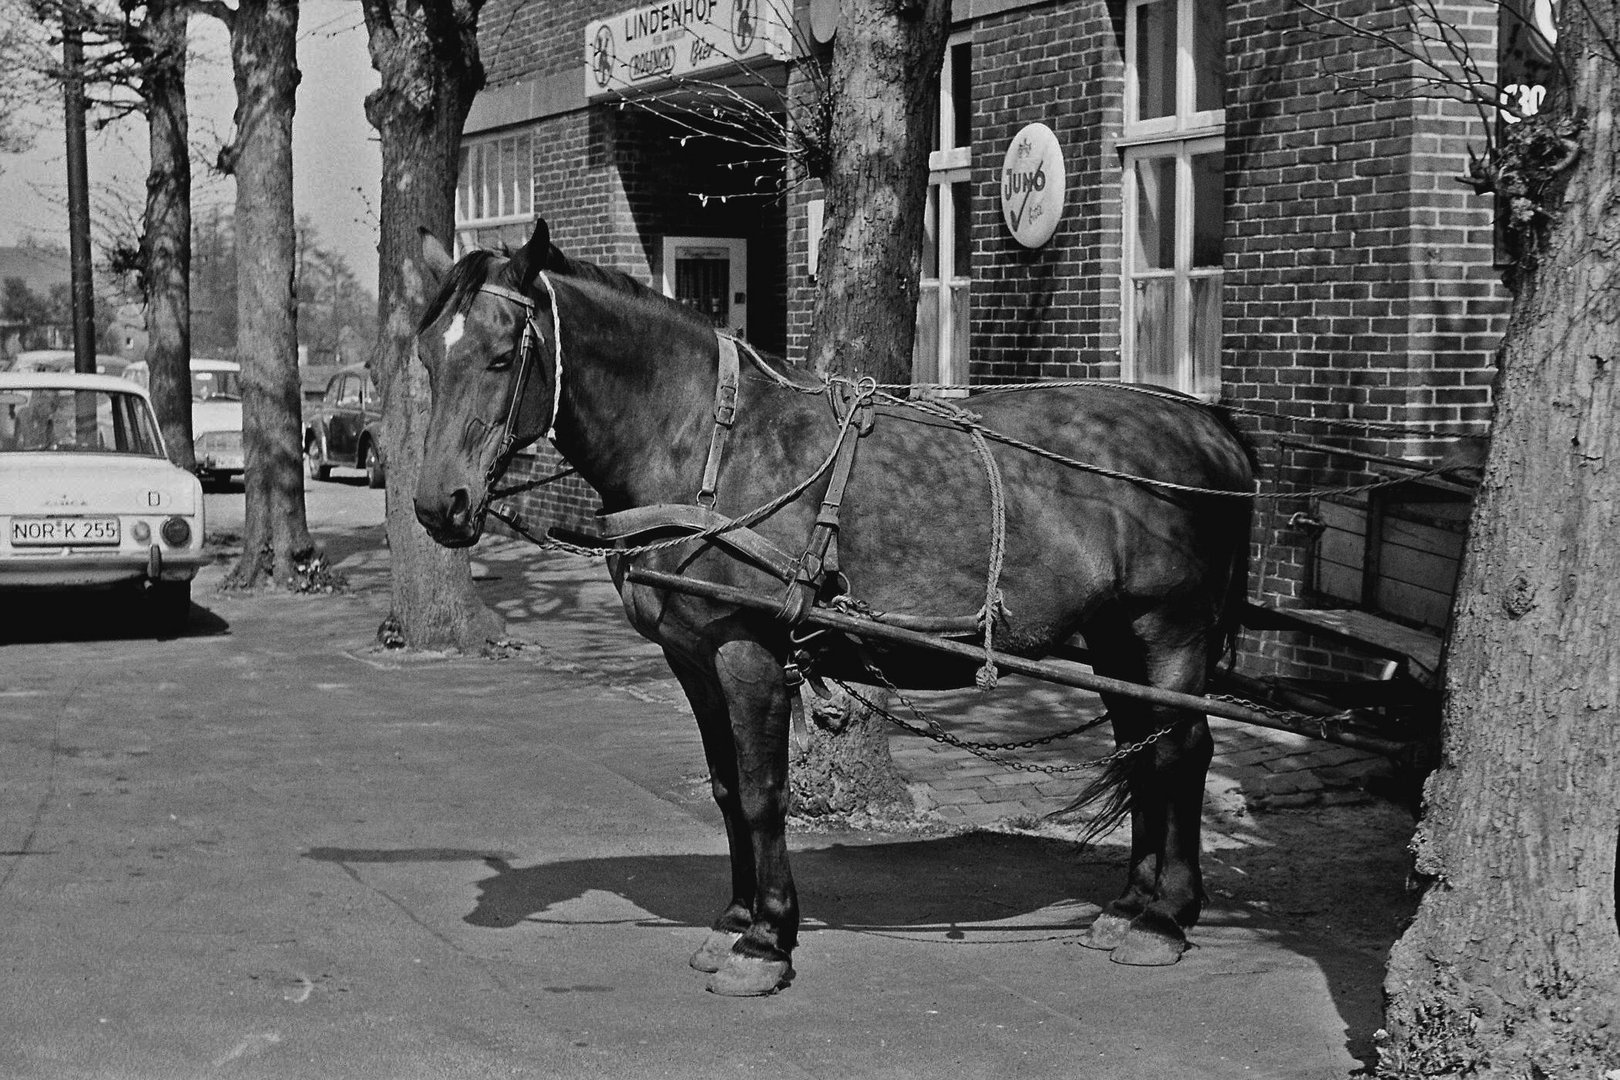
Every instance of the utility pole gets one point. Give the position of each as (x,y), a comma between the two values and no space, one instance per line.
(84,313)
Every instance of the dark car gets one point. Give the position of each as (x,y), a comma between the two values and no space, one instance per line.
(345,429)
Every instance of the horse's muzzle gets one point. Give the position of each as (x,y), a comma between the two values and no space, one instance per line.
(450,522)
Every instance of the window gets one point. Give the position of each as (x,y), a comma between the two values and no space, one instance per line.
(941,351)
(1174,193)
(495,192)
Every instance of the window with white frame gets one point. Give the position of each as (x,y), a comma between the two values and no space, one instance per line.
(495,192)
(941,351)
(1174,188)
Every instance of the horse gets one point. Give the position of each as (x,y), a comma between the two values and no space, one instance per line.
(1143,553)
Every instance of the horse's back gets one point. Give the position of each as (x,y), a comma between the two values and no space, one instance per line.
(1112,499)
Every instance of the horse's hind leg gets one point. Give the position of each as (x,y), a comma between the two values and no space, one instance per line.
(1164,891)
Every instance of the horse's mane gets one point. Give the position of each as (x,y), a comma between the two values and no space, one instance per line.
(472,271)
(460,285)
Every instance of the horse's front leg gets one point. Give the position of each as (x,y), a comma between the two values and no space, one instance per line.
(714,723)
(756,696)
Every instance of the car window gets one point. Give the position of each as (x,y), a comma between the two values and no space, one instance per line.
(349,396)
(56,419)
(372,400)
(216,386)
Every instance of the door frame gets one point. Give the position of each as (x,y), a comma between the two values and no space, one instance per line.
(736,252)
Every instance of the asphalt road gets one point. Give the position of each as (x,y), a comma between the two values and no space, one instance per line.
(267,849)
(343,502)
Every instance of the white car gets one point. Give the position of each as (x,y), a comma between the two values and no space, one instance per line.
(88,496)
(216,415)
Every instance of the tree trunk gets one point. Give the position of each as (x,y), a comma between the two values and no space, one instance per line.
(884,84)
(276,546)
(1512,965)
(430,71)
(884,87)
(166,238)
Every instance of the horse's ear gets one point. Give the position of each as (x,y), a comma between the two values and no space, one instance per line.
(531,258)
(437,260)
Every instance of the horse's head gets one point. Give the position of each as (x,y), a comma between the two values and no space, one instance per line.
(490,346)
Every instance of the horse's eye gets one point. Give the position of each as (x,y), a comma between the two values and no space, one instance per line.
(502,362)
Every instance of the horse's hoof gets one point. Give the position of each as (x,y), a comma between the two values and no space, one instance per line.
(750,976)
(1106,932)
(1145,948)
(712,954)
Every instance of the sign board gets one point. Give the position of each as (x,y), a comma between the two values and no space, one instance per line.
(653,44)
(1032,183)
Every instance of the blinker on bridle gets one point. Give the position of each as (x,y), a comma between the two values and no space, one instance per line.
(527,347)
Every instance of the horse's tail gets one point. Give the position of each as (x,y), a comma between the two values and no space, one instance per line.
(1229,621)
(1109,794)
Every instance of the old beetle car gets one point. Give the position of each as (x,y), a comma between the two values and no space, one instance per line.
(345,429)
(216,415)
(89,499)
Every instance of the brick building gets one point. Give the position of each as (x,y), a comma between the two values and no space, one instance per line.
(1253,209)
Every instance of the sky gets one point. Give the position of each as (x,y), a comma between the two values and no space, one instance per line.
(337,164)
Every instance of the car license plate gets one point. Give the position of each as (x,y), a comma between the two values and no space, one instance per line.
(64,532)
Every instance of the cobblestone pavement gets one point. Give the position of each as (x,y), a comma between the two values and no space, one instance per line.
(565,605)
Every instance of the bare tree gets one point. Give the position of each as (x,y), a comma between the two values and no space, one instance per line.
(1511,966)
(165,247)
(277,547)
(427,54)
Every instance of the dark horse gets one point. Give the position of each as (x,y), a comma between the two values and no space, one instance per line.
(624,381)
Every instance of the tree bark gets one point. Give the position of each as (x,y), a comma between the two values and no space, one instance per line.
(276,545)
(884,84)
(884,89)
(1512,965)
(427,55)
(166,237)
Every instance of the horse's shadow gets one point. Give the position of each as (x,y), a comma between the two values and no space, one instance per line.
(978,878)
(982,887)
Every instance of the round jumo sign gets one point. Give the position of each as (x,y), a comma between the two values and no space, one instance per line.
(1032,185)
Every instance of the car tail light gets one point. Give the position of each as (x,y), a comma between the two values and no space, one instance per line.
(141,531)
(176,532)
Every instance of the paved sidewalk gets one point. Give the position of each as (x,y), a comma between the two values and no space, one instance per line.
(565,605)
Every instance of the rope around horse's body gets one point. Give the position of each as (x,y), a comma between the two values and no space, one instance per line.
(972,423)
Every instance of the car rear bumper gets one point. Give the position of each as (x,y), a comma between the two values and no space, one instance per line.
(100,568)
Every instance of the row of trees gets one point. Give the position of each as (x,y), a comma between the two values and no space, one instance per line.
(1512,965)
(45,321)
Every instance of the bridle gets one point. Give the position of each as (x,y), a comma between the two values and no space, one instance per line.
(528,346)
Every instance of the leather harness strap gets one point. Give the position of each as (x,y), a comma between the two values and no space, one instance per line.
(725,414)
(820,558)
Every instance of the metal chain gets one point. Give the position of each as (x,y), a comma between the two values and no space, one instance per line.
(991,752)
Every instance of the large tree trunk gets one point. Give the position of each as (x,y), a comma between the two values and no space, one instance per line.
(166,237)
(884,87)
(428,58)
(1512,966)
(276,546)
(884,84)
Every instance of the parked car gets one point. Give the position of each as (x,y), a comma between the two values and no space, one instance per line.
(62,360)
(345,429)
(88,497)
(216,415)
